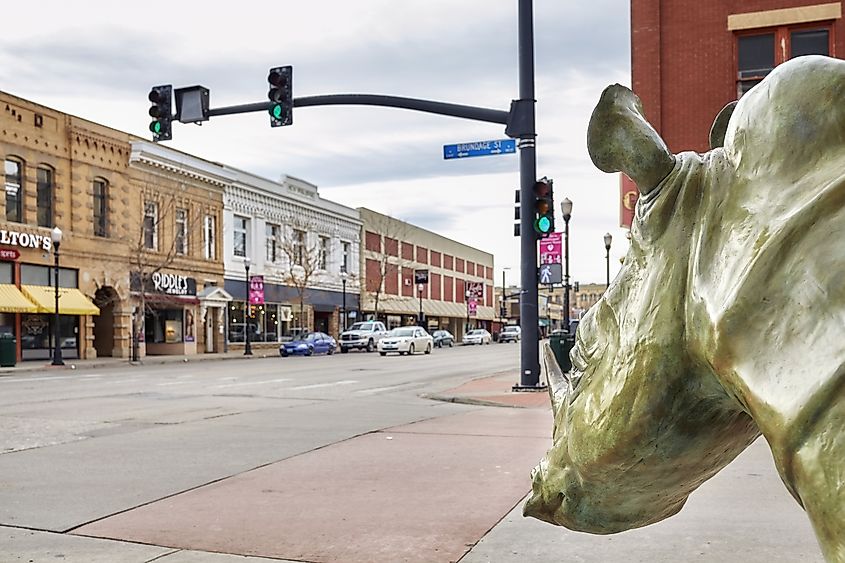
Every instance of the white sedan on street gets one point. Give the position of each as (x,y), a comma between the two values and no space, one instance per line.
(406,340)
(478,336)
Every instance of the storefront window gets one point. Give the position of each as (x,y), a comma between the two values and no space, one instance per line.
(43,275)
(37,336)
(236,321)
(163,326)
(6,271)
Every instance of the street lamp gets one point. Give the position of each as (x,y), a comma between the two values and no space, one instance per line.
(502,309)
(247,347)
(343,276)
(56,237)
(420,288)
(566,208)
(607,240)
(468,293)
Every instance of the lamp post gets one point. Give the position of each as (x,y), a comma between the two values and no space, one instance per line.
(343,276)
(420,288)
(566,208)
(502,309)
(467,293)
(56,237)
(247,347)
(607,240)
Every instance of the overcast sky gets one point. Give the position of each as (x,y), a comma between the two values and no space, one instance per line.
(98,61)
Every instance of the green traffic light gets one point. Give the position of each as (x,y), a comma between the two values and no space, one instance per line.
(543,224)
(155,127)
(276,111)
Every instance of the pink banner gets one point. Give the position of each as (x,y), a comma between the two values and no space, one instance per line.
(472,306)
(256,290)
(551,249)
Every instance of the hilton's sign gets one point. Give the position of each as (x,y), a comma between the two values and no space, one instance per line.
(25,240)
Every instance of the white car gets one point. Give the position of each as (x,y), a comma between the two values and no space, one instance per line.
(406,340)
(478,336)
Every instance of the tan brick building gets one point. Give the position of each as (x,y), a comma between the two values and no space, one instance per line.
(93,183)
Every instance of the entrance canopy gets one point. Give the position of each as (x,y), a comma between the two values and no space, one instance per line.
(71,300)
(13,301)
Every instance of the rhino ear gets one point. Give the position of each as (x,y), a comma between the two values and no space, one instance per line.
(619,139)
(720,126)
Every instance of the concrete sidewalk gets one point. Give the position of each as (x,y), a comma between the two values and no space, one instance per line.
(495,391)
(71,364)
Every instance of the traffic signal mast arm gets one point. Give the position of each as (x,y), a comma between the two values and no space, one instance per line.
(441,108)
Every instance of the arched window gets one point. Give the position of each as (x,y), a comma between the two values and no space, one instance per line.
(44,190)
(101,207)
(14,190)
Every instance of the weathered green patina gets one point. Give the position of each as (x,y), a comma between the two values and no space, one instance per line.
(727,320)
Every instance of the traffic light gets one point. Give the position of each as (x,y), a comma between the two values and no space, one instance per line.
(160,97)
(281,95)
(544,208)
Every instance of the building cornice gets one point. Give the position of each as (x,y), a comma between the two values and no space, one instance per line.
(157,156)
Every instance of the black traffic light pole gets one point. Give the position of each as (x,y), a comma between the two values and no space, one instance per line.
(519,122)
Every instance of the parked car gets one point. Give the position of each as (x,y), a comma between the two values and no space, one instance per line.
(510,333)
(478,336)
(406,340)
(308,344)
(443,338)
(362,336)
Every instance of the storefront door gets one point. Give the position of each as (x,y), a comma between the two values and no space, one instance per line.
(210,315)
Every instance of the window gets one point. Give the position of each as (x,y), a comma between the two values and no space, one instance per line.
(44,196)
(323,261)
(272,242)
(759,53)
(346,248)
(150,225)
(241,224)
(298,246)
(100,208)
(209,237)
(14,190)
(181,231)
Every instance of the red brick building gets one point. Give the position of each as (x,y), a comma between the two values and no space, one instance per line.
(691,57)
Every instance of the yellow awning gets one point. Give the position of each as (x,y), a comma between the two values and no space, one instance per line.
(13,301)
(71,300)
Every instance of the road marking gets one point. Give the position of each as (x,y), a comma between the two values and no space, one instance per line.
(252,383)
(319,385)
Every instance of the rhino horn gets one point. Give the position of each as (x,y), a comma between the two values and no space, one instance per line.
(620,139)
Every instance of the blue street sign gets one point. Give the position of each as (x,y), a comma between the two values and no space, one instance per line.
(479,148)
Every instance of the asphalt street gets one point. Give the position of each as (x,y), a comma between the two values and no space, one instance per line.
(326,459)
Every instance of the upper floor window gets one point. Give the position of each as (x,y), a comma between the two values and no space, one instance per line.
(44,196)
(181,231)
(150,225)
(346,249)
(323,262)
(101,190)
(298,246)
(759,53)
(14,190)
(241,226)
(209,242)
(272,233)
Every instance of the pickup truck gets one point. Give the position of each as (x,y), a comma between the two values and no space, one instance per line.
(510,333)
(362,336)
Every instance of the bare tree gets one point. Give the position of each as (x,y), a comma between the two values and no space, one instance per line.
(304,258)
(160,235)
(388,257)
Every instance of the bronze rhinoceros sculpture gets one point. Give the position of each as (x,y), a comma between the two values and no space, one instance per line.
(726,321)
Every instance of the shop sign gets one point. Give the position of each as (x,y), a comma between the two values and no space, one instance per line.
(475,290)
(25,240)
(165,283)
(256,290)
(472,307)
(420,276)
(9,254)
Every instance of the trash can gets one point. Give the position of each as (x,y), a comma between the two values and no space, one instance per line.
(8,350)
(561,343)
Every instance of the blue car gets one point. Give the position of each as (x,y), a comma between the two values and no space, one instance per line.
(309,344)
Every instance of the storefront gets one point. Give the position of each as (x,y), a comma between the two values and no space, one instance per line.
(28,308)
(169,303)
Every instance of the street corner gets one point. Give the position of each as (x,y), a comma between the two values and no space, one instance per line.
(495,390)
